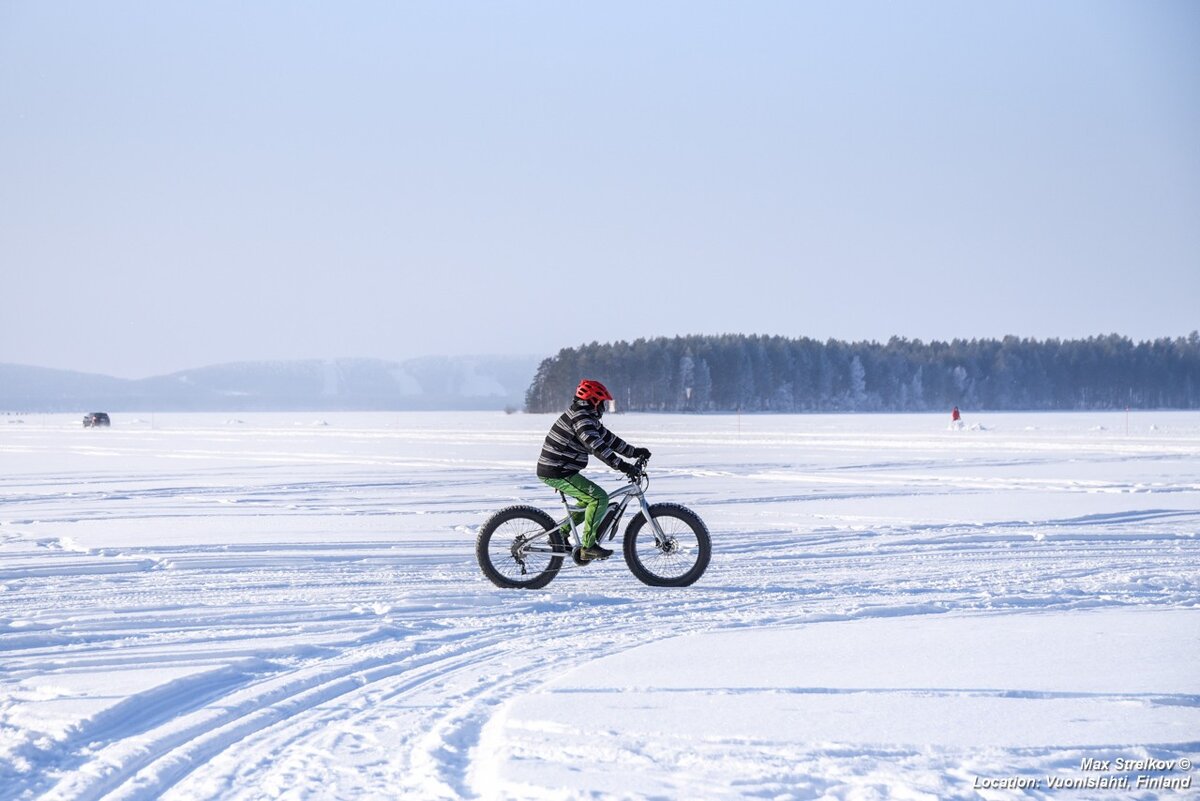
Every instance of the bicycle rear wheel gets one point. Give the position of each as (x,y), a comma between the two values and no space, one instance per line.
(503,548)
(678,558)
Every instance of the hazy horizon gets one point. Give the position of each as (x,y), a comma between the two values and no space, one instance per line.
(203,183)
(529,356)
(298,360)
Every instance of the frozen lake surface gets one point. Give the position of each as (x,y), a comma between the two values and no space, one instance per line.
(288,606)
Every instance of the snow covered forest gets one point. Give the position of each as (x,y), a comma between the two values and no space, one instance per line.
(763,373)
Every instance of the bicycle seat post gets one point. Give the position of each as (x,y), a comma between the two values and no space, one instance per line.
(570,517)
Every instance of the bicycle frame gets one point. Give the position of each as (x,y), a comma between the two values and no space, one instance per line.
(622,496)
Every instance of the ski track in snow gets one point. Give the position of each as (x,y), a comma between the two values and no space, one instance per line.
(195,611)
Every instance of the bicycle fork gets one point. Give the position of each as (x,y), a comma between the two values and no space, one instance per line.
(659,538)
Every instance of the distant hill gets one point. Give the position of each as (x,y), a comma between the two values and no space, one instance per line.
(468,382)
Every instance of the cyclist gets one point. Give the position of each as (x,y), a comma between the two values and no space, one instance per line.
(575,434)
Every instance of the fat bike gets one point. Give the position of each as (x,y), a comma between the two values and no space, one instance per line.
(665,545)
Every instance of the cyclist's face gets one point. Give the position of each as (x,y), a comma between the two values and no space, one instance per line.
(599,407)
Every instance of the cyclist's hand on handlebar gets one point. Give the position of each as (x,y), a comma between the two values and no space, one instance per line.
(641,453)
(630,470)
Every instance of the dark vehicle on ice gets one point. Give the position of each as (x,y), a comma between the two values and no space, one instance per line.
(96,419)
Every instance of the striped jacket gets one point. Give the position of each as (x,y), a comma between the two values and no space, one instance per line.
(575,434)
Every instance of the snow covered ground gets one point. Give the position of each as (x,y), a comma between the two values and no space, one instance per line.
(196,606)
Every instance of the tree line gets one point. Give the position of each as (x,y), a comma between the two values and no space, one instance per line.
(737,372)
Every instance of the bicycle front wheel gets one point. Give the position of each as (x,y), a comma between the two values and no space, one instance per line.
(520,548)
(676,558)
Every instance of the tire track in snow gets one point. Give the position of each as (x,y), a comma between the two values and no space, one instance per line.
(434,756)
(430,757)
(146,766)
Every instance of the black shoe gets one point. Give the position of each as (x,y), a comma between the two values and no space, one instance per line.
(595,553)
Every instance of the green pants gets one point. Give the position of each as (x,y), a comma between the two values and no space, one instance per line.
(593,498)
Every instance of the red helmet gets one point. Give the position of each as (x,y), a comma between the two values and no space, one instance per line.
(593,391)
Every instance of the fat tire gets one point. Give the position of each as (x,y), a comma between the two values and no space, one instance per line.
(689,518)
(488,529)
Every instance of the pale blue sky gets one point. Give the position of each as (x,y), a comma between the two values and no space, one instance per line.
(189,183)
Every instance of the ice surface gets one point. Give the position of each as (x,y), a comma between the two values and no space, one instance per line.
(194,609)
(737,703)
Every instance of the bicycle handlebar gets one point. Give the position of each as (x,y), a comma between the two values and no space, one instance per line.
(640,464)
